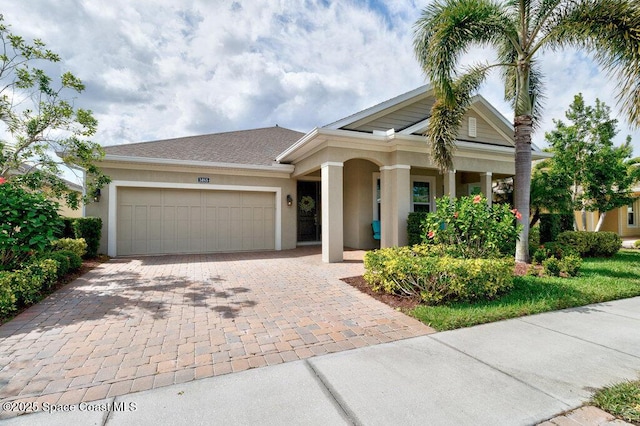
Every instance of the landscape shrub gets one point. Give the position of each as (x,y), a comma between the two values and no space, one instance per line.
(89,228)
(552,224)
(76,245)
(436,279)
(592,244)
(414,227)
(472,229)
(553,249)
(7,297)
(636,243)
(551,266)
(75,261)
(62,261)
(568,265)
(29,224)
(67,228)
(28,282)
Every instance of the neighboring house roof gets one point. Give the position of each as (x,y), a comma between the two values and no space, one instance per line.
(254,147)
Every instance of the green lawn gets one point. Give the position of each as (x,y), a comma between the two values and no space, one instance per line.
(621,400)
(600,280)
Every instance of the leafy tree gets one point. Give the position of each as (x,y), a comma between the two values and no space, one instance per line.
(519,30)
(38,121)
(549,191)
(595,174)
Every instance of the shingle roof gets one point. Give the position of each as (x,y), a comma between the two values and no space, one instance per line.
(257,147)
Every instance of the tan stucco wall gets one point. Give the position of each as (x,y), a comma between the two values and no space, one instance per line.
(152,173)
(358,204)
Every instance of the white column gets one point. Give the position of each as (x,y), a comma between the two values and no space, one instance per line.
(332,208)
(395,200)
(486,186)
(450,184)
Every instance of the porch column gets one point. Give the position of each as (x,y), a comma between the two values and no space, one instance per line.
(332,222)
(486,186)
(395,204)
(450,184)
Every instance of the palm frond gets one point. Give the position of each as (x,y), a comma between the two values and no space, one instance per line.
(448,28)
(610,31)
(446,118)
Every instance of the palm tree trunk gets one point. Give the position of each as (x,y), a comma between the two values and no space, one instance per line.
(523,129)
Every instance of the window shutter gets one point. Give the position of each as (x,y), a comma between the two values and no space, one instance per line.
(472,127)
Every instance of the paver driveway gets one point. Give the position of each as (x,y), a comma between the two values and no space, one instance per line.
(136,324)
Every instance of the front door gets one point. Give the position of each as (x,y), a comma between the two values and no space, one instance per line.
(308,206)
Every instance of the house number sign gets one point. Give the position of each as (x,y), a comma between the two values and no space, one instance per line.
(203,180)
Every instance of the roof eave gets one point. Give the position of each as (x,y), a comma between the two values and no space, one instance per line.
(287,168)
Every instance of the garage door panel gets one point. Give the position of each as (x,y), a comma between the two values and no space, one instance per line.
(153,221)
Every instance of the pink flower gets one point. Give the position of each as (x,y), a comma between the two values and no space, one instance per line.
(2,180)
(477,199)
(431,234)
(517,213)
(455,215)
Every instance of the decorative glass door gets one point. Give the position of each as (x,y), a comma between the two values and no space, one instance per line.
(308,206)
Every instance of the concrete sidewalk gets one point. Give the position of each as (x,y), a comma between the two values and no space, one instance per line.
(516,372)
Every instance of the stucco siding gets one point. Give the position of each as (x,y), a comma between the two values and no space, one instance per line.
(358,204)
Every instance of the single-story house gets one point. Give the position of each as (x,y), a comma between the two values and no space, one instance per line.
(624,221)
(274,188)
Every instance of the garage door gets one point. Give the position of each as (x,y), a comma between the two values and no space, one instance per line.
(159,221)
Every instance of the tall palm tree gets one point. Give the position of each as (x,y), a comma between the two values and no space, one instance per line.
(519,30)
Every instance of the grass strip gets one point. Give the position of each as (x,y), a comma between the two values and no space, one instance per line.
(600,280)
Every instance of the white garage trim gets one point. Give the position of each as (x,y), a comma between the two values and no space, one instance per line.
(113,204)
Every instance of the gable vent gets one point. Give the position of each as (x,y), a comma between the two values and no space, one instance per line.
(472,127)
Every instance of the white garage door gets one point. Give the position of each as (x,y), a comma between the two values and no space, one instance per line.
(158,221)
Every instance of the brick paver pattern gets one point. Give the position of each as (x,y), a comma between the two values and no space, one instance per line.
(136,324)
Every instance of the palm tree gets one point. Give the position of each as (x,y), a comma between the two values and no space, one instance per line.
(519,30)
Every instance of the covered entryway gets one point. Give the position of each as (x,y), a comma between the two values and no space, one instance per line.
(169,221)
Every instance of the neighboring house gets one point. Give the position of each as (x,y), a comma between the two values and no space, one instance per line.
(274,188)
(65,210)
(624,221)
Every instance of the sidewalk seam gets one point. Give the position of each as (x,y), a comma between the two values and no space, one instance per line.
(579,338)
(337,401)
(493,367)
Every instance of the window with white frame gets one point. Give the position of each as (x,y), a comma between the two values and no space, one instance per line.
(376,196)
(631,215)
(422,193)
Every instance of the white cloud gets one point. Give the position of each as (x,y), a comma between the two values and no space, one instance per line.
(160,68)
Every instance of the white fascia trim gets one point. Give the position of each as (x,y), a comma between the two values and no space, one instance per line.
(396,167)
(317,136)
(113,203)
(131,159)
(378,108)
(331,163)
(418,127)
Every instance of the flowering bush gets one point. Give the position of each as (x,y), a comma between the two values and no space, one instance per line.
(471,228)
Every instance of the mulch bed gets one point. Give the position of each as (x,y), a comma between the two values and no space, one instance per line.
(408,303)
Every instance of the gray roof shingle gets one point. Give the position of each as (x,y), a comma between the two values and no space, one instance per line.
(254,147)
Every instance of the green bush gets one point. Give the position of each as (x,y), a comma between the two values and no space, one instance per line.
(89,228)
(76,245)
(75,261)
(29,224)
(551,266)
(471,228)
(67,228)
(636,243)
(414,227)
(62,261)
(436,279)
(7,297)
(552,224)
(570,265)
(553,249)
(592,244)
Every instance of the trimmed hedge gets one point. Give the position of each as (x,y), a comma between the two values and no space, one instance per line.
(414,227)
(63,263)
(592,244)
(7,298)
(552,224)
(75,261)
(76,245)
(24,287)
(436,279)
(89,228)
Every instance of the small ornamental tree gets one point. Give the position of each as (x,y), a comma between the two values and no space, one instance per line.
(38,120)
(471,229)
(28,225)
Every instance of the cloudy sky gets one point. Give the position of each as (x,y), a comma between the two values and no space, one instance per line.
(157,69)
